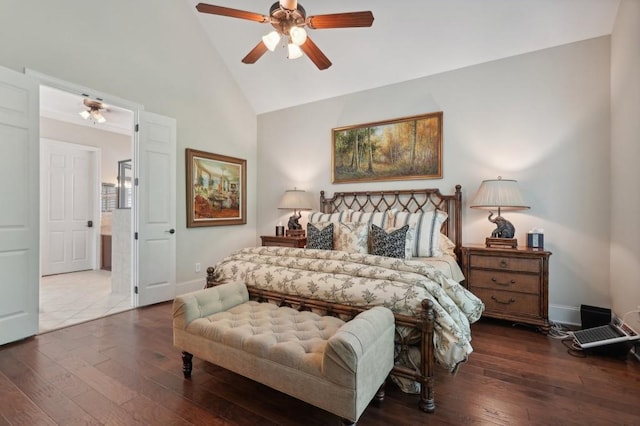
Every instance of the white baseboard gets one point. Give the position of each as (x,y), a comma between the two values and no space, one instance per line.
(189,286)
(569,315)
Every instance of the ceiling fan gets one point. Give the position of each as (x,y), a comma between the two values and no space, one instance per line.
(93,112)
(289,18)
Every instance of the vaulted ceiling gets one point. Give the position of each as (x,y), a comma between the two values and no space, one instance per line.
(409,39)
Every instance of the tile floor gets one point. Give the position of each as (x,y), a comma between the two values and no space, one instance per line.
(67,299)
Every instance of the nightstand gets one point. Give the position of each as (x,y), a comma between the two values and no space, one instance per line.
(513,283)
(295,242)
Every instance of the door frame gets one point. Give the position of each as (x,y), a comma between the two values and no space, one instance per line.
(56,83)
(96,155)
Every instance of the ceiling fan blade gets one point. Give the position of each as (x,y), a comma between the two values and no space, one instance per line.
(341,20)
(233,13)
(255,54)
(315,54)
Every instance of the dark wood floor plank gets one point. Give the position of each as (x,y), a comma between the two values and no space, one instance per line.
(46,396)
(160,395)
(123,369)
(16,408)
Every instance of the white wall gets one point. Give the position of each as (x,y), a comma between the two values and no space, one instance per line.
(541,118)
(152,52)
(625,154)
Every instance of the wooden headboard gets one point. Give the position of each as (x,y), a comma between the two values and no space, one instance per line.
(409,200)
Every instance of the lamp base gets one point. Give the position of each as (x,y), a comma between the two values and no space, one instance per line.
(295,232)
(501,242)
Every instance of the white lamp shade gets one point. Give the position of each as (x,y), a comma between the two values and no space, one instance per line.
(271,40)
(298,35)
(499,193)
(295,199)
(294,51)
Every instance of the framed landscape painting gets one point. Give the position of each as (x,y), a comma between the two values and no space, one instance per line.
(216,189)
(399,149)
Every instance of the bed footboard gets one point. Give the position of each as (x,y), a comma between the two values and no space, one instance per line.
(422,326)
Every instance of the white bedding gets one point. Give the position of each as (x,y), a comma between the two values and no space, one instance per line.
(446,264)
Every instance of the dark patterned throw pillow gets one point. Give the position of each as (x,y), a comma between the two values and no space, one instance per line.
(388,244)
(320,238)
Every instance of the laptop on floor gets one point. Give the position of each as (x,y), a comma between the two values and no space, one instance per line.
(614,332)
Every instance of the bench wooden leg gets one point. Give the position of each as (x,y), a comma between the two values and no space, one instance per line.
(379,396)
(187,364)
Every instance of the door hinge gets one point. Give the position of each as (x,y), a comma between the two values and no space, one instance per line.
(135,235)
(135,289)
(135,182)
(137,127)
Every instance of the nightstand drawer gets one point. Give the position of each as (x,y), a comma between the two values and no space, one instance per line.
(505,262)
(505,281)
(282,241)
(497,301)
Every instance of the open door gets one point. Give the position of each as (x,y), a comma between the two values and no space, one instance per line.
(19,215)
(155,193)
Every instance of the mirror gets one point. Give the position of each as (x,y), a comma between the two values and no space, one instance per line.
(125,179)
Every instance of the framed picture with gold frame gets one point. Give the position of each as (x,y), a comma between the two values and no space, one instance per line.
(399,149)
(216,189)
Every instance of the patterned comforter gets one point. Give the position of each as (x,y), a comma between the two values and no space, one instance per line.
(364,280)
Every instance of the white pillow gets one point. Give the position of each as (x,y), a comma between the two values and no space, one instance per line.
(343,216)
(352,237)
(447,246)
(383,219)
(427,231)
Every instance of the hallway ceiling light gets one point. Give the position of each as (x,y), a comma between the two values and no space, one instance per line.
(93,113)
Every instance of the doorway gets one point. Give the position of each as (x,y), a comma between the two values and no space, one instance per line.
(91,275)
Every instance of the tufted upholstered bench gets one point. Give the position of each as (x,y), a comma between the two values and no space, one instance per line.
(334,365)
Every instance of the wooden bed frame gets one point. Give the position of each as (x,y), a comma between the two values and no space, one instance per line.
(422,326)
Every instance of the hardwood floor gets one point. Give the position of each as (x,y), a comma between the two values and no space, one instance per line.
(124,370)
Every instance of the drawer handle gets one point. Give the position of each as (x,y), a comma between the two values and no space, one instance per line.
(510,282)
(502,302)
(504,264)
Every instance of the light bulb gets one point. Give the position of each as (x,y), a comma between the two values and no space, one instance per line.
(271,40)
(84,114)
(294,51)
(298,35)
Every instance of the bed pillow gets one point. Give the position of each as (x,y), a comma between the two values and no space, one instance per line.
(343,216)
(384,219)
(447,246)
(320,236)
(390,243)
(352,237)
(427,231)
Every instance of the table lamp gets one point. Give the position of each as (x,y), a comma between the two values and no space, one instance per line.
(296,200)
(500,194)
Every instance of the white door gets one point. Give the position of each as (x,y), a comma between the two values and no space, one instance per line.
(68,201)
(19,212)
(156,209)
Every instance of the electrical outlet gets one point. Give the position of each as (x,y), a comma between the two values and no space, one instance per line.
(198,267)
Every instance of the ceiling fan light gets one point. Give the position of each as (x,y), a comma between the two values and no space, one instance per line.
(271,40)
(99,118)
(298,35)
(85,114)
(294,51)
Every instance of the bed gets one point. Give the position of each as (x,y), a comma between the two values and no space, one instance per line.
(433,310)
